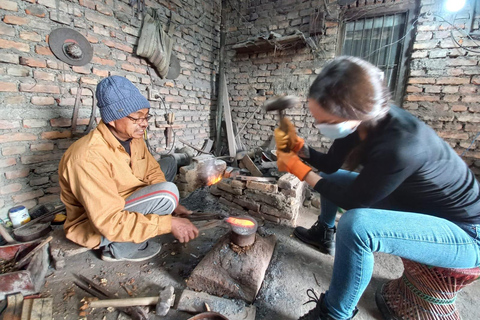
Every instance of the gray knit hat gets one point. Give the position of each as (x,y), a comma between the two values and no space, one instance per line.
(117,97)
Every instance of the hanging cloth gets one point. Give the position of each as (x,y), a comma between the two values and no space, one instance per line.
(155,44)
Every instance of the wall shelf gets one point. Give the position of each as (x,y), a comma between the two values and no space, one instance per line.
(271,43)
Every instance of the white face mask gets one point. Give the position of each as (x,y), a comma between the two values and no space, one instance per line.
(335,131)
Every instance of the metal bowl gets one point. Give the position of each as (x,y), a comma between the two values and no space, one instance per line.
(208,316)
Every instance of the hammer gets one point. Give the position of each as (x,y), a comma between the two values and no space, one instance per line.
(163,302)
(280,104)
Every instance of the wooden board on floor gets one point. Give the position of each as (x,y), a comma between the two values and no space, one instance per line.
(42,309)
(232,148)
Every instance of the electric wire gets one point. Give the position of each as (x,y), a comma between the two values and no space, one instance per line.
(471,144)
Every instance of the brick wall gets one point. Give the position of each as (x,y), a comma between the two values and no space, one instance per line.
(37,91)
(442,81)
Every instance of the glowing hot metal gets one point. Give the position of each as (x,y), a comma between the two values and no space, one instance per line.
(244,230)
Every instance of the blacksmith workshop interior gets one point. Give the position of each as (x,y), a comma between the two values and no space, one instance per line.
(214,73)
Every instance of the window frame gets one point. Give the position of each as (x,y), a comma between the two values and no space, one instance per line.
(410,8)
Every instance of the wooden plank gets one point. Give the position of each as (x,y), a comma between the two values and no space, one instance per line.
(27,308)
(232,148)
(14,307)
(251,166)
(42,309)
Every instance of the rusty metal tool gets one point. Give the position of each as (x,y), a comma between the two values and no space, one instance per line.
(136,313)
(280,104)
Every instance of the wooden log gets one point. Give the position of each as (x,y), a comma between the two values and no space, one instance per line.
(223,272)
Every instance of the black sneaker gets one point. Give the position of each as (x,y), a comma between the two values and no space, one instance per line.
(146,253)
(320,311)
(319,236)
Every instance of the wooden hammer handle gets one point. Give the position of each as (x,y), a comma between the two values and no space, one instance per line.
(129,302)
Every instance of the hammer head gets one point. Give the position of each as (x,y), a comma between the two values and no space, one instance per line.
(280,103)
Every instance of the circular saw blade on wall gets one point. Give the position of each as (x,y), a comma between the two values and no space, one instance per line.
(70,46)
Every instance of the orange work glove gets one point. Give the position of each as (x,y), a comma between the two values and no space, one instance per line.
(286,137)
(290,162)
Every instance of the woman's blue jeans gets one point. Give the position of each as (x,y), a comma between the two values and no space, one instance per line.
(360,232)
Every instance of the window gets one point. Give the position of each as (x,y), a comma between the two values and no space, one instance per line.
(383,41)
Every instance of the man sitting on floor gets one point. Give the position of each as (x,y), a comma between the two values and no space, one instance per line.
(115,193)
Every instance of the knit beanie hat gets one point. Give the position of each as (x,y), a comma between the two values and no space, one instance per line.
(117,97)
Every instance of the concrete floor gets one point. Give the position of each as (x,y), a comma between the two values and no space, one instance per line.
(292,271)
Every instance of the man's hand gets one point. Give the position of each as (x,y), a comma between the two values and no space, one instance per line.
(183,230)
(181,211)
(290,162)
(288,140)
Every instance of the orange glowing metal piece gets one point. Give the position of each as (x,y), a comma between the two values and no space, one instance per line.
(241,222)
(213,180)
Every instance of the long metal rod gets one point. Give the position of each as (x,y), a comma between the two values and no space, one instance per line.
(221,81)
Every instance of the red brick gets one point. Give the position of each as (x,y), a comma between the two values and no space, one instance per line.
(40,158)
(7,44)
(453,80)
(104,9)
(31,62)
(49,199)
(87,3)
(35,11)
(15,20)
(105,62)
(453,135)
(10,188)
(53,135)
(91,38)
(141,70)
(55,190)
(43,50)
(32,87)
(414,89)
(459,108)
(60,122)
(124,47)
(467,99)
(8,87)
(8,5)
(100,73)
(19,136)
(21,173)
(27,196)
(128,67)
(421,80)
(83,70)
(42,147)
(88,80)
(30,36)
(413,97)
(8,151)
(42,75)
(11,100)
(7,30)
(7,162)
(109,43)
(34,123)
(43,101)
(475,108)
(8,124)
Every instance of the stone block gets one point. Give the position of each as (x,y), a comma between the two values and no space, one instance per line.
(288,181)
(238,184)
(262,186)
(287,213)
(228,202)
(226,185)
(61,247)
(252,206)
(316,201)
(276,200)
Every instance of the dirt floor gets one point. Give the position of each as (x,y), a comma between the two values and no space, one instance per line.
(294,268)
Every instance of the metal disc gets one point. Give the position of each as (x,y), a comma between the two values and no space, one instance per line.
(62,39)
(173,68)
